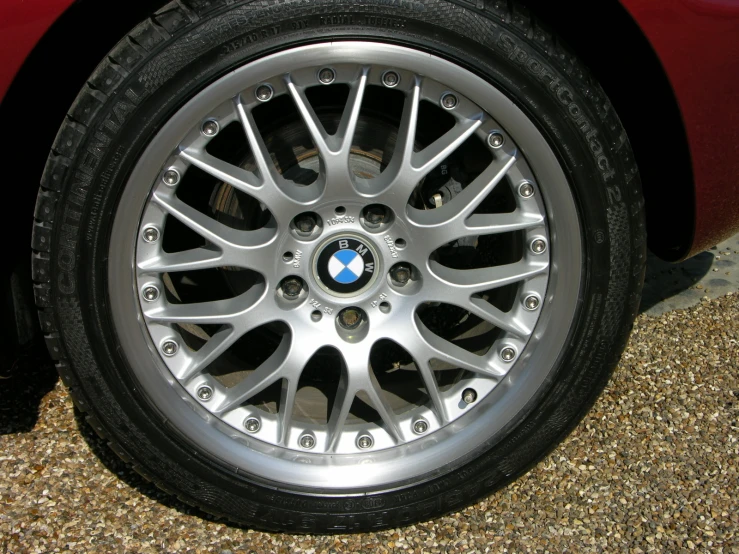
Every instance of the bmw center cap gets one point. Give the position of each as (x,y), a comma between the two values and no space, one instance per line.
(345,265)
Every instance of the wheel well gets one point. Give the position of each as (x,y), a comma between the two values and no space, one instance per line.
(617,53)
(609,41)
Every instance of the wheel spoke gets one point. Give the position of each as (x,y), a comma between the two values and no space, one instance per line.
(209,352)
(478,280)
(286,362)
(432,388)
(448,352)
(288,395)
(427,159)
(487,312)
(236,312)
(187,260)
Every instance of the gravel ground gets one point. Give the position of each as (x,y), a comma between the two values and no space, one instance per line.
(653,467)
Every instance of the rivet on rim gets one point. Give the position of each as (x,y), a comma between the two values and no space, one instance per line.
(210,128)
(326,75)
(495,140)
(531,302)
(264,93)
(507,354)
(526,190)
(448,101)
(151,234)
(171,177)
(390,79)
(307,441)
(169,348)
(205,393)
(151,293)
(420,426)
(252,424)
(365,441)
(538,246)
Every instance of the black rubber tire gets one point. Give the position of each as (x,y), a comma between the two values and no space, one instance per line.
(190,43)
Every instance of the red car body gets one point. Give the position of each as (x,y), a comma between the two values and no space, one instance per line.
(695,41)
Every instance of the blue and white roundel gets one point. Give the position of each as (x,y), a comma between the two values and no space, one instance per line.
(345,266)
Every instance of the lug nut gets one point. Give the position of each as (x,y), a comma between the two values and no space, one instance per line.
(210,128)
(538,246)
(420,426)
(263,93)
(507,354)
(291,287)
(171,177)
(151,294)
(305,223)
(326,75)
(307,441)
(526,190)
(350,318)
(469,396)
(495,139)
(365,441)
(252,424)
(390,79)
(375,214)
(400,274)
(169,348)
(448,101)
(205,393)
(151,234)
(531,302)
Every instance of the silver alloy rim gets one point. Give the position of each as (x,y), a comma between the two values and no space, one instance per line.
(399,446)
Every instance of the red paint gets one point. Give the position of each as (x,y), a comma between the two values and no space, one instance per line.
(22,24)
(698,44)
(696,40)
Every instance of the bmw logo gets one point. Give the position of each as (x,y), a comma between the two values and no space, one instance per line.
(345,265)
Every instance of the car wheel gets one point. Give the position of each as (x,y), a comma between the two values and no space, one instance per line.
(337,269)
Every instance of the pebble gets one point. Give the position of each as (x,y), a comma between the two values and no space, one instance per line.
(653,467)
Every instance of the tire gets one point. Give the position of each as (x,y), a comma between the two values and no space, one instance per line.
(129,348)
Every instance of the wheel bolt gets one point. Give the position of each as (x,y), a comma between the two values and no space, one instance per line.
(210,128)
(531,302)
(252,424)
(507,354)
(400,274)
(365,441)
(350,318)
(171,177)
(305,223)
(375,214)
(205,393)
(326,75)
(151,234)
(538,246)
(495,139)
(390,79)
(420,426)
(469,396)
(307,441)
(169,348)
(526,190)
(151,294)
(449,101)
(291,287)
(264,93)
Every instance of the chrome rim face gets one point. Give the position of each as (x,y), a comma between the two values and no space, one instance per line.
(342,254)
